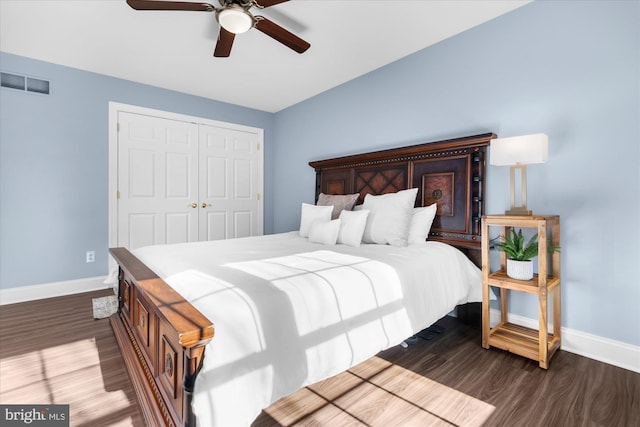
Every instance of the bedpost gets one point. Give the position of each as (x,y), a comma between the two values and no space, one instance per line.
(193,364)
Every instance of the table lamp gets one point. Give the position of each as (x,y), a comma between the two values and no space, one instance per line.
(518,152)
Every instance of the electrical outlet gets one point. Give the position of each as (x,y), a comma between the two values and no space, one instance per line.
(91,256)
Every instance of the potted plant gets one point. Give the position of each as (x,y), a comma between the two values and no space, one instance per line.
(519,254)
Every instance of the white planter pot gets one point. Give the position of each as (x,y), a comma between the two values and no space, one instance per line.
(520,270)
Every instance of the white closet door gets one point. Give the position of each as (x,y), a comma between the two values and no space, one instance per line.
(229,184)
(157,181)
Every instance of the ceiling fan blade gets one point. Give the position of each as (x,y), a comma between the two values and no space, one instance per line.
(170,5)
(224,44)
(278,33)
(267,3)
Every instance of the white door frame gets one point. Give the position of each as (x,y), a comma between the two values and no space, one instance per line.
(115,108)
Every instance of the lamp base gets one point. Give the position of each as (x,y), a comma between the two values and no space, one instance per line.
(518,211)
(522,209)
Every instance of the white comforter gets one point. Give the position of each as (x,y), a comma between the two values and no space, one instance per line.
(288,313)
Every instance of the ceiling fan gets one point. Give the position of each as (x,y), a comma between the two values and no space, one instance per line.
(234,18)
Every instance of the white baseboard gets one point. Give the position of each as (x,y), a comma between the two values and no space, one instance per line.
(605,350)
(50,290)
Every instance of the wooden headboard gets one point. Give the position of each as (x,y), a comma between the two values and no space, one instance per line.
(450,173)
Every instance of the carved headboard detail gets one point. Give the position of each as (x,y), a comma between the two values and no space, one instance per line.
(450,173)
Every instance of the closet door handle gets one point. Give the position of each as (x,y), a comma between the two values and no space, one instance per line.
(194,205)
(204,205)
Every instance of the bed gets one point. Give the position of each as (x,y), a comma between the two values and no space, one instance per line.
(287,311)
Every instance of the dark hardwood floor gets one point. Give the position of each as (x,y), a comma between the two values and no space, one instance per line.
(52,351)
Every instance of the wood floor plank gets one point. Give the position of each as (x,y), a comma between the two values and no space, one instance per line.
(53,351)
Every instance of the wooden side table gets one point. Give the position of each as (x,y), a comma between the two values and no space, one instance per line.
(534,344)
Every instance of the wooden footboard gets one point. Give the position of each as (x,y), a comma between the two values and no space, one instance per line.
(162,339)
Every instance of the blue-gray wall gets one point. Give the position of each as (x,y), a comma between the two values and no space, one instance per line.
(568,69)
(54,166)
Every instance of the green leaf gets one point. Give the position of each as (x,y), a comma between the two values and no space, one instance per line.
(514,247)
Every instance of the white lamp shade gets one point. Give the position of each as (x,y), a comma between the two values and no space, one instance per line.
(519,150)
(235,20)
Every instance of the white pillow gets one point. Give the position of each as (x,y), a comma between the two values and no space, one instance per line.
(311,214)
(389,217)
(421,221)
(352,227)
(324,232)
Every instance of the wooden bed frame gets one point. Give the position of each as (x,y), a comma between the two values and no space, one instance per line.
(162,336)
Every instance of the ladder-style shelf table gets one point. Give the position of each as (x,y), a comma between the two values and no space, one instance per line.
(539,345)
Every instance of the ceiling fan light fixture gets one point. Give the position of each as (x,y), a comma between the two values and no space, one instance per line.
(235,19)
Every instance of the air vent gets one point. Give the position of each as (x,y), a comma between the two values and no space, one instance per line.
(29,84)
(12,81)
(37,85)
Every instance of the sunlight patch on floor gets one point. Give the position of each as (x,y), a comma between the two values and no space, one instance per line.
(379,393)
(51,376)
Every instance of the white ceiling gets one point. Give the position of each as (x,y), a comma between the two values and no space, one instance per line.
(174,49)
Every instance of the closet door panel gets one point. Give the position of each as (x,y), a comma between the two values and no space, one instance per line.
(157,181)
(216,178)
(216,226)
(228,183)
